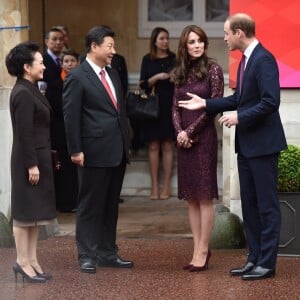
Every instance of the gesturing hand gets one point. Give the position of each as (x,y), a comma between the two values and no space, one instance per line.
(229,119)
(194,103)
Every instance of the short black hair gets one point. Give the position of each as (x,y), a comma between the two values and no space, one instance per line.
(97,35)
(53,29)
(20,55)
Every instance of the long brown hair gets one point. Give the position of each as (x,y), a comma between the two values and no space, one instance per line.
(154,34)
(183,59)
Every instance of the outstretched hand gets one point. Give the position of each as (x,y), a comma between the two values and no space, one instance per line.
(194,103)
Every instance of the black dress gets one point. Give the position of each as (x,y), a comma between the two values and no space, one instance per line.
(161,129)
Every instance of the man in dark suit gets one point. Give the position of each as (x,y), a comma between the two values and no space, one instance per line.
(98,142)
(65,179)
(259,138)
(119,64)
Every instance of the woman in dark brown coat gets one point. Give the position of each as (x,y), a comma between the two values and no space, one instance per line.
(32,189)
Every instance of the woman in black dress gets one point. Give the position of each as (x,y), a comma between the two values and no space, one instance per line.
(197,138)
(32,187)
(159,134)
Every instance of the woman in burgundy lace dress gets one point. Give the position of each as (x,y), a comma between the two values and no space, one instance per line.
(196,135)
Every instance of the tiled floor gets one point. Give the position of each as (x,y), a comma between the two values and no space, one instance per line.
(156,236)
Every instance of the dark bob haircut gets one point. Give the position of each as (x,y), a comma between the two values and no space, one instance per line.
(20,55)
(96,35)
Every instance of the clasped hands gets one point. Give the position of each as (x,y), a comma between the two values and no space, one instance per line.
(195,102)
(183,140)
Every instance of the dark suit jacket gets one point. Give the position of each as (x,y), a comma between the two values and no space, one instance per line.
(259,131)
(30,115)
(119,64)
(93,125)
(54,96)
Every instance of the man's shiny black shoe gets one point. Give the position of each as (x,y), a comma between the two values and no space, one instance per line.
(87,266)
(259,272)
(115,263)
(243,270)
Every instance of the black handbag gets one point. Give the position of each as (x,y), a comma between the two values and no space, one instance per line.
(141,106)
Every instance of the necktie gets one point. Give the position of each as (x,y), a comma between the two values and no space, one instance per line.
(108,89)
(58,62)
(242,71)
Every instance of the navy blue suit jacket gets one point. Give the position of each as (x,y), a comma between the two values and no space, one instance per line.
(259,131)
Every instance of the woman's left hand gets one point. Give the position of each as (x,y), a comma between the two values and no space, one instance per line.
(34,175)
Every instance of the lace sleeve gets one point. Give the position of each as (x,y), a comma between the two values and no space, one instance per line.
(216,80)
(176,113)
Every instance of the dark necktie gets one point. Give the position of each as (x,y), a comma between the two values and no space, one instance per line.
(58,62)
(242,71)
(108,89)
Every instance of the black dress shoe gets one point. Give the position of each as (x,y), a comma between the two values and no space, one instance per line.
(115,263)
(87,267)
(243,270)
(259,273)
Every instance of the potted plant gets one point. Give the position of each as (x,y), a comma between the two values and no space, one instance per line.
(289,197)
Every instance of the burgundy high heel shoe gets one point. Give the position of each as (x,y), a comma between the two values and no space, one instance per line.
(204,267)
(187,267)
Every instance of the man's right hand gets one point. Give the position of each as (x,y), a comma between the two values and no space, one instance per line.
(194,103)
(78,158)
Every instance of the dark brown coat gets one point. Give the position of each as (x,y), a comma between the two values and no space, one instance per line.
(30,115)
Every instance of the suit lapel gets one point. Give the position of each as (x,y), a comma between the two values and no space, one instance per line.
(251,60)
(115,83)
(52,63)
(249,63)
(34,89)
(96,81)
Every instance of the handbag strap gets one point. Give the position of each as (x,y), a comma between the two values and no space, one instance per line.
(152,90)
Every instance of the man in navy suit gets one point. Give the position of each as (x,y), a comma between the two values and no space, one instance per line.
(98,142)
(259,138)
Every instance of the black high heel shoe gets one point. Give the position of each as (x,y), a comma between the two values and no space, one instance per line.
(42,275)
(33,279)
(204,267)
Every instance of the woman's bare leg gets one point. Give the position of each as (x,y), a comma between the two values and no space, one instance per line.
(154,165)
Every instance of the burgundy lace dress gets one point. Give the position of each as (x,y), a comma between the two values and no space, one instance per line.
(197,166)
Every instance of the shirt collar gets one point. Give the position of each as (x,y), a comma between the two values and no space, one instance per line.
(52,55)
(250,49)
(95,67)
